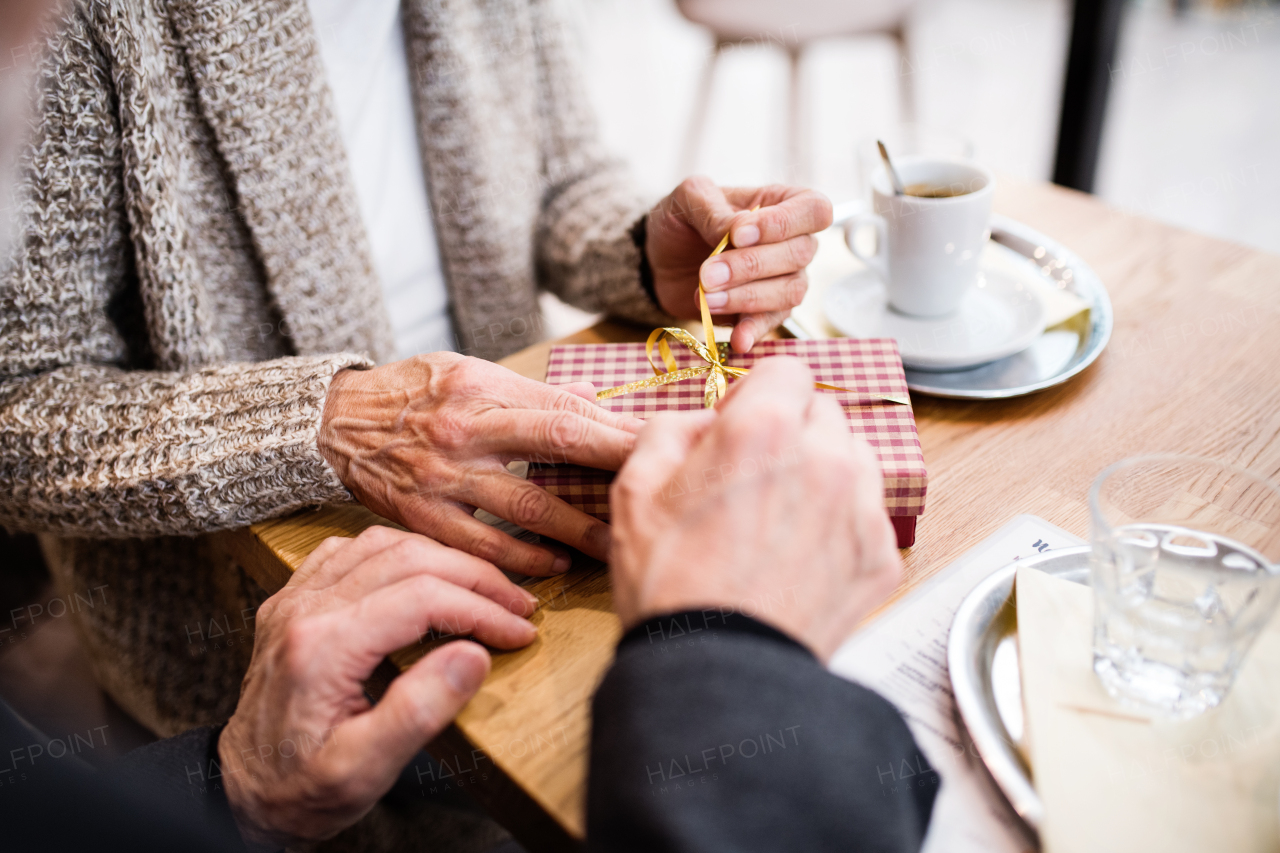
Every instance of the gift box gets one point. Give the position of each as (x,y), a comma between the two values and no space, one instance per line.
(865,368)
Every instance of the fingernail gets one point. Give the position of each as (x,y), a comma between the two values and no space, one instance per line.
(530,599)
(561,565)
(717,299)
(747,235)
(715,274)
(464,672)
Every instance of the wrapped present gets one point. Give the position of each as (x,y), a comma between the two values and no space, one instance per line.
(868,372)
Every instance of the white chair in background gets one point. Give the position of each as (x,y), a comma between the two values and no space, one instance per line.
(792,24)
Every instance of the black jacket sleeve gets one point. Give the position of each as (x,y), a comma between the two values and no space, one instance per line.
(720,733)
(186,771)
(153,799)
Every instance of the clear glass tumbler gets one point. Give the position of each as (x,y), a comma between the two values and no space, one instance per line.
(1185,572)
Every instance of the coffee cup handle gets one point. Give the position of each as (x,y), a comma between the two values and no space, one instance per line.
(876,262)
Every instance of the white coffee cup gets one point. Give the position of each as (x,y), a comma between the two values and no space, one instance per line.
(927,249)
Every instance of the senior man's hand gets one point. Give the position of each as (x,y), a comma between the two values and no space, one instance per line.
(767,504)
(761,277)
(304,756)
(425,441)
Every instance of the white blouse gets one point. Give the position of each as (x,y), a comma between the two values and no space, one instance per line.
(362,47)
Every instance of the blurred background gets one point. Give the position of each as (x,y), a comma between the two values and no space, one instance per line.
(1192,130)
(1190,134)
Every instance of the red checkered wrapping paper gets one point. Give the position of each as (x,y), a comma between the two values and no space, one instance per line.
(865,367)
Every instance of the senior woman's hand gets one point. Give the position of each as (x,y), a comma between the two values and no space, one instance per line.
(766,505)
(304,756)
(761,277)
(426,440)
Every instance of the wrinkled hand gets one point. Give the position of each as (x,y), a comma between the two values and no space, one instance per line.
(760,278)
(426,440)
(304,756)
(766,505)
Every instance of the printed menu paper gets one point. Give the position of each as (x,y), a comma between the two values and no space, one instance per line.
(902,655)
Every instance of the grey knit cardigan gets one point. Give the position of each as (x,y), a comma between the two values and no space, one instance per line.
(193,270)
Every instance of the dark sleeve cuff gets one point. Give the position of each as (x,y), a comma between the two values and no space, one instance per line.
(186,768)
(216,804)
(689,627)
(640,236)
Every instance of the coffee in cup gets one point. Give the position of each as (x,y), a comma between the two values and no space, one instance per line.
(929,242)
(936,190)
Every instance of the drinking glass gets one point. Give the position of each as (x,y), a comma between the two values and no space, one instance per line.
(1186,573)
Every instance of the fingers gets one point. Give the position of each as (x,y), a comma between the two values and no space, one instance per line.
(785,212)
(337,561)
(700,202)
(662,448)
(553,398)
(767,296)
(829,429)
(752,327)
(878,559)
(870,485)
(316,559)
(403,613)
(736,267)
(585,390)
(781,383)
(411,554)
(826,418)
(870,530)
(556,437)
(416,707)
(534,508)
(795,212)
(454,526)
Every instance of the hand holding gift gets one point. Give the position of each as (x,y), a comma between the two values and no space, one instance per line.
(761,277)
(426,440)
(787,508)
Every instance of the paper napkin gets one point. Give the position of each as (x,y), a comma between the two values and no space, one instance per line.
(1112,779)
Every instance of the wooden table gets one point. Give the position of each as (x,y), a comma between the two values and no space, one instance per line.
(1193,366)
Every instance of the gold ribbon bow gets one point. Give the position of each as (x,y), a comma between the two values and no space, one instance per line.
(713,354)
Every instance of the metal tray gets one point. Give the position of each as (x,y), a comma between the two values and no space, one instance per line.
(982,657)
(1059,353)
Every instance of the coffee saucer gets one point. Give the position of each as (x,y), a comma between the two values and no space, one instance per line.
(998,317)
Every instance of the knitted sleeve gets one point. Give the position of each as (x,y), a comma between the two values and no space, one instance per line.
(89,450)
(93,440)
(586,254)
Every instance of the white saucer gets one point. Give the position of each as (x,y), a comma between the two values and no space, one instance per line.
(998,317)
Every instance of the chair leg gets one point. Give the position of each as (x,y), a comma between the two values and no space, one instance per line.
(1095,34)
(796,171)
(698,120)
(906,76)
